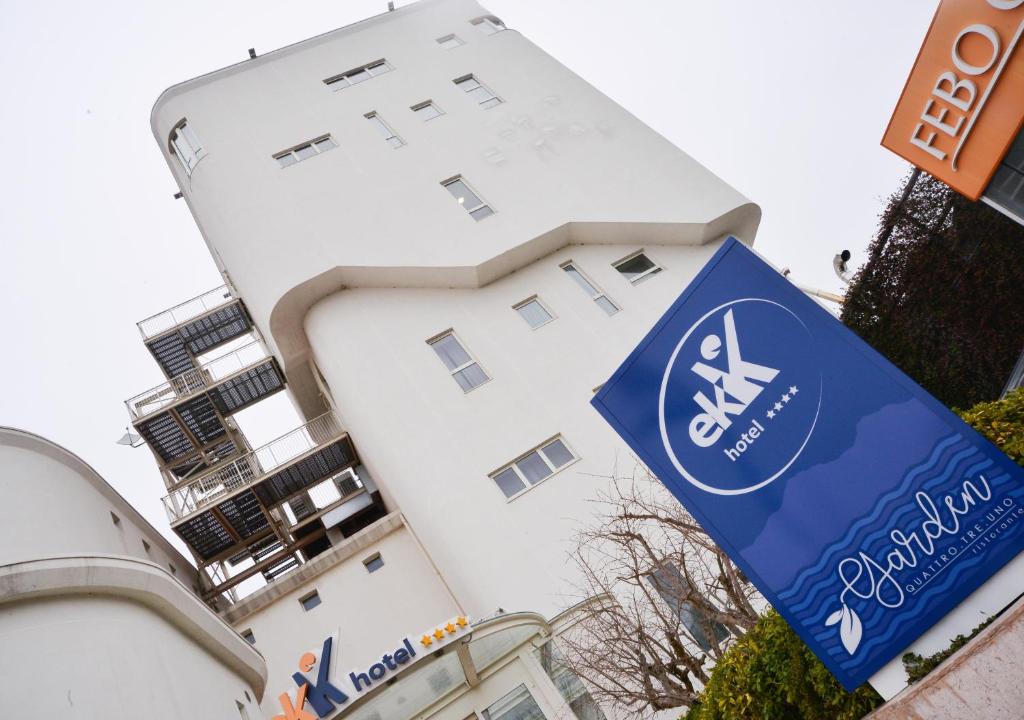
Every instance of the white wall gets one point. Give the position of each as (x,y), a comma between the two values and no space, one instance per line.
(56,505)
(555,152)
(433,446)
(367,613)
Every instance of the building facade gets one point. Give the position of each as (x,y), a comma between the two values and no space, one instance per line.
(438,241)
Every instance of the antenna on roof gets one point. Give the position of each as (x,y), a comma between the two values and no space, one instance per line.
(252,53)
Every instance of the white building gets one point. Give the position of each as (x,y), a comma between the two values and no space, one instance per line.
(98,612)
(447,241)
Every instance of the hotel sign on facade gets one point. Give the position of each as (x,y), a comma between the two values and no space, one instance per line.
(963,104)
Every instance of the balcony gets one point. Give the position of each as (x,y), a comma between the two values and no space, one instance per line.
(236,502)
(187,414)
(175,337)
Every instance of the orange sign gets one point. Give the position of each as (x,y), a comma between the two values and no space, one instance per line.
(963,103)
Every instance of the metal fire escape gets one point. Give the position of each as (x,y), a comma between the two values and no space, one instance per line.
(268,509)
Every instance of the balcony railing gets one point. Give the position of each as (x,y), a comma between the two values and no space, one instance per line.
(249,469)
(206,375)
(183,312)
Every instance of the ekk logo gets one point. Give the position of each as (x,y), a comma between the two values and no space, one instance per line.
(746,360)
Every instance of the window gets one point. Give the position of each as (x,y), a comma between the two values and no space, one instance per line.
(115,519)
(427,110)
(569,685)
(186,146)
(636,267)
(358,75)
(174,570)
(488,25)
(306,150)
(595,294)
(384,129)
(517,705)
(533,312)
(675,590)
(533,467)
(466,371)
(373,563)
(450,42)
(479,92)
(310,601)
(468,199)
(146,547)
(249,636)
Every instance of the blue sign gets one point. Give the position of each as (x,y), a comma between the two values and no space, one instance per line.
(861,507)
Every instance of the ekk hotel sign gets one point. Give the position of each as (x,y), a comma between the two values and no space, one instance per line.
(962,105)
(861,507)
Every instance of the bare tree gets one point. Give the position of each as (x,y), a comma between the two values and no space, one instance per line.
(660,600)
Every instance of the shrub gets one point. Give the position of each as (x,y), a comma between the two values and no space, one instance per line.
(770,674)
(1002,422)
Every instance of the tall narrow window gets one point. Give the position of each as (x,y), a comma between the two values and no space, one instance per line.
(488,25)
(536,465)
(426,110)
(636,268)
(186,146)
(467,198)
(676,591)
(478,91)
(450,42)
(569,685)
(592,290)
(516,705)
(358,75)
(384,129)
(466,371)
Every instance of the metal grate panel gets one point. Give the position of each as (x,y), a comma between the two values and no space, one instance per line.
(206,535)
(166,437)
(201,419)
(322,464)
(244,513)
(170,354)
(205,333)
(247,388)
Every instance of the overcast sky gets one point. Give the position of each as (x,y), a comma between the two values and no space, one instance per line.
(784,100)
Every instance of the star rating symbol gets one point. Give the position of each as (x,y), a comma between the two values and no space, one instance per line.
(450,628)
(438,633)
(778,407)
(426,641)
(785,398)
(793,390)
(771,414)
(461,621)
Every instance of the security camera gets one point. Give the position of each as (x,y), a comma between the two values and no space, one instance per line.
(839,264)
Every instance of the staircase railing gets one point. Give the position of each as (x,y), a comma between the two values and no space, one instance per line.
(183,312)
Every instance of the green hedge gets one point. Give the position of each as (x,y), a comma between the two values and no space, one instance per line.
(770,674)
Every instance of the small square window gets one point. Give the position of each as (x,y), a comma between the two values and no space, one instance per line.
(288,159)
(373,563)
(310,601)
(533,313)
(557,453)
(115,519)
(509,482)
(249,637)
(427,111)
(488,25)
(449,42)
(305,152)
(637,268)
(146,547)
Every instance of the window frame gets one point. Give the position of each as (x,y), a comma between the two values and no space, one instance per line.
(448,38)
(375,557)
(344,80)
(539,449)
(598,292)
(493,24)
(196,151)
(382,124)
(425,104)
(543,305)
(309,596)
(646,274)
(472,359)
(482,103)
(294,150)
(469,210)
